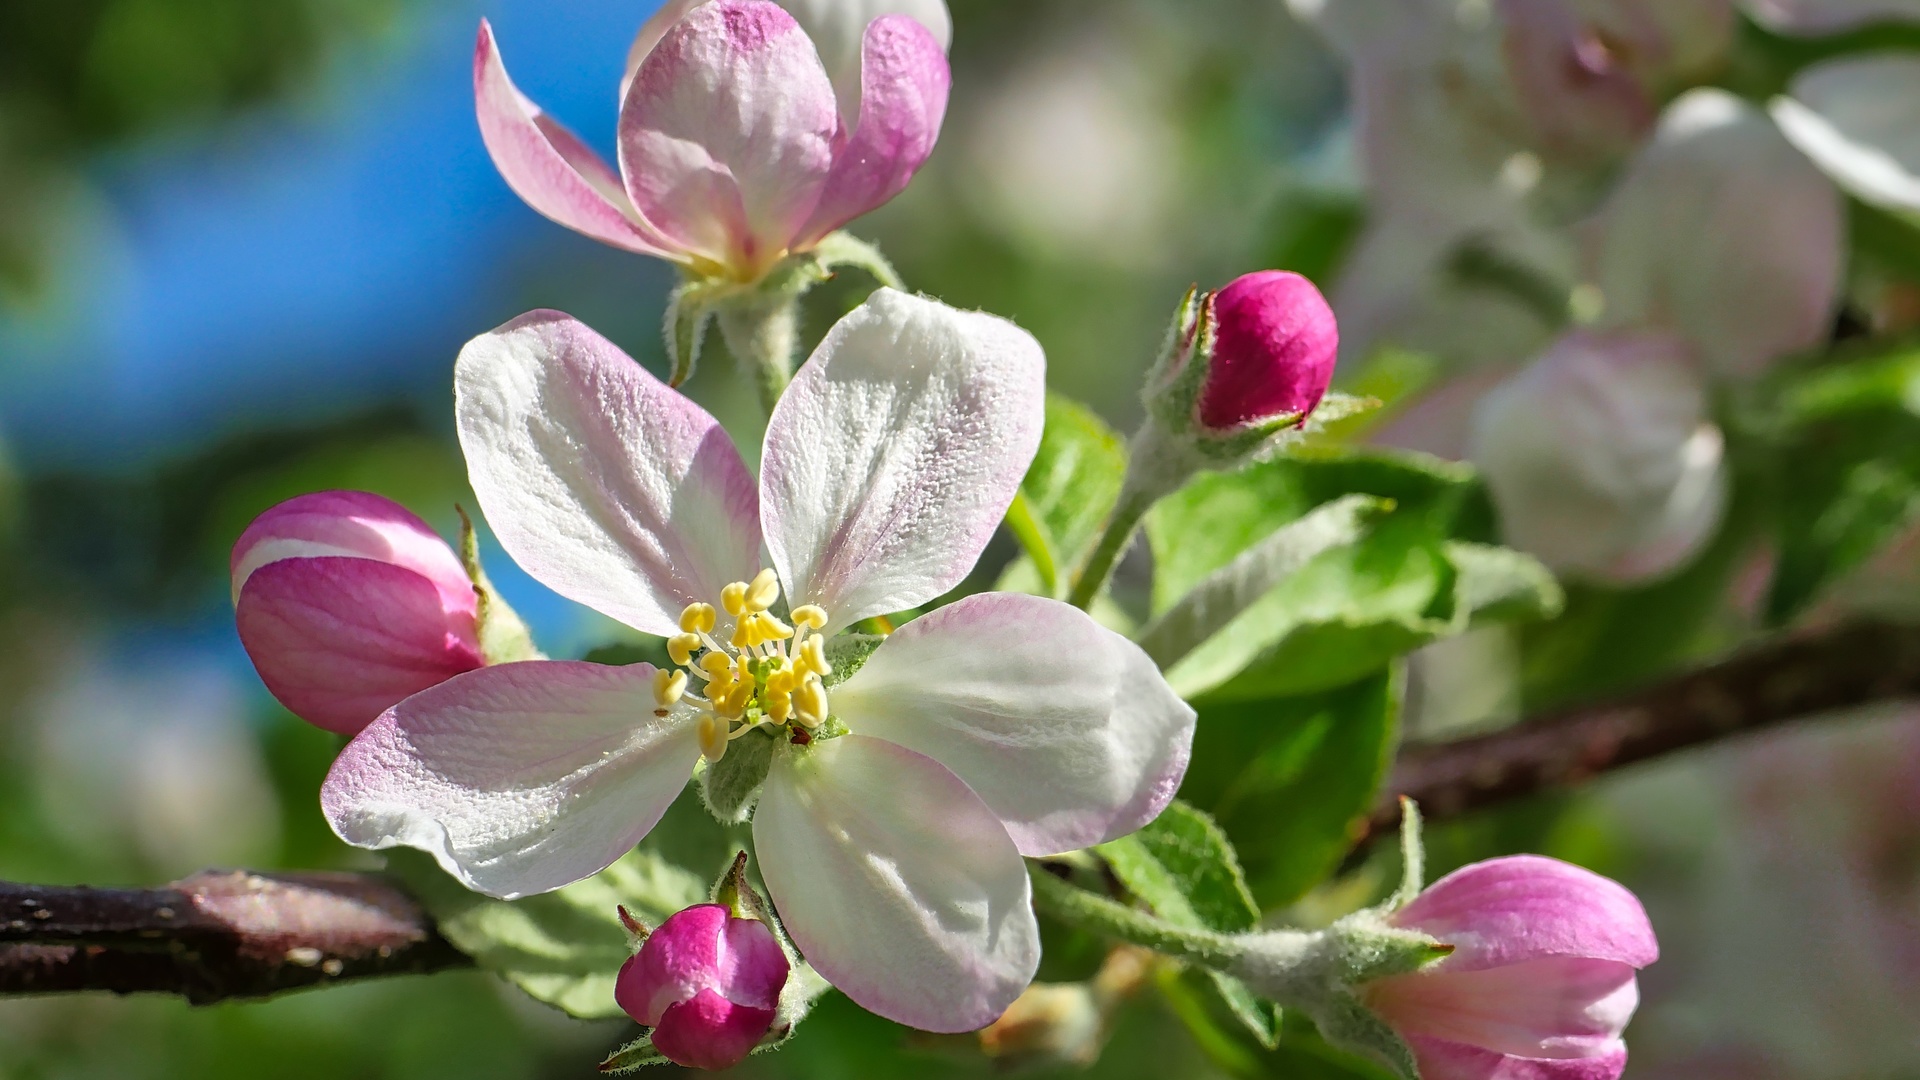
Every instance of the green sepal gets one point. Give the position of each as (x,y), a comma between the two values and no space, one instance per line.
(846,654)
(689,311)
(845,249)
(504,637)
(734,892)
(1345,1022)
(634,1056)
(731,785)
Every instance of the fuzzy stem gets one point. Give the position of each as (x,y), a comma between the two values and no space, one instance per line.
(1157,465)
(1080,908)
(763,335)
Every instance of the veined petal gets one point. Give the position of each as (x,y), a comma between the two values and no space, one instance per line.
(610,488)
(895,453)
(1722,231)
(1442,1060)
(549,167)
(1065,729)
(904,81)
(1856,118)
(355,524)
(1553,1007)
(1525,907)
(726,133)
(518,779)
(339,640)
(897,883)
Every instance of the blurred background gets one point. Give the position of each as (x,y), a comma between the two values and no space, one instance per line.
(241,242)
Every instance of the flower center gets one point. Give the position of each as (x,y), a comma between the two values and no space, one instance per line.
(757,671)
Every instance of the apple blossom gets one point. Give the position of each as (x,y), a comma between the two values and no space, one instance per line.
(708,983)
(736,149)
(1829,16)
(1601,458)
(348,603)
(1541,979)
(993,727)
(1855,117)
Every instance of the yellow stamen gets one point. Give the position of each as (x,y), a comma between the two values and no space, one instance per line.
(771,628)
(811,616)
(779,707)
(813,656)
(668,687)
(681,647)
(713,737)
(764,591)
(697,619)
(783,682)
(734,598)
(810,701)
(716,664)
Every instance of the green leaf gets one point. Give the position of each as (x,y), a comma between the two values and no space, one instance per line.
(564,947)
(1068,491)
(1414,577)
(1290,778)
(1182,866)
(1223,595)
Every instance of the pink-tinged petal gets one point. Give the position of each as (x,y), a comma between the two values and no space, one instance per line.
(1274,346)
(1829,16)
(1442,1060)
(710,1032)
(1855,117)
(1525,907)
(726,134)
(1555,1007)
(1723,232)
(548,166)
(339,640)
(603,483)
(703,947)
(904,84)
(840,31)
(518,779)
(897,883)
(357,524)
(1579,94)
(1064,728)
(895,453)
(666,18)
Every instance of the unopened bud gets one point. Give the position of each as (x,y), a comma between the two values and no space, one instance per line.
(707,983)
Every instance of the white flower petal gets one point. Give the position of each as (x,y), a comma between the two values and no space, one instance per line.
(897,883)
(1064,728)
(895,453)
(519,778)
(1858,118)
(839,28)
(1725,233)
(607,486)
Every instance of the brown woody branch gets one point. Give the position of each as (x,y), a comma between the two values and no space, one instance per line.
(237,935)
(1790,678)
(214,936)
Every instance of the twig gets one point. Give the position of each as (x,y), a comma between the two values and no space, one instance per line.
(214,936)
(1791,678)
(218,936)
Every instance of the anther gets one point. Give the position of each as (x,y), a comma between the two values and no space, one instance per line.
(771,628)
(697,619)
(811,616)
(734,598)
(764,590)
(717,664)
(668,687)
(813,656)
(810,701)
(681,646)
(713,738)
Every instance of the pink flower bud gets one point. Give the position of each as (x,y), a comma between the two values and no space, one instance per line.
(707,983)
(1274,345)
(347,604)
(1541,981)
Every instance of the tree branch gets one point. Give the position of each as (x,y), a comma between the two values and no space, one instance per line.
(215,936)
(1789,678)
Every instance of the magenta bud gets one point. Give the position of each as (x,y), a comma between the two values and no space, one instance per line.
(707,983)
(1274,344)
(347,604)
(1541,980)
